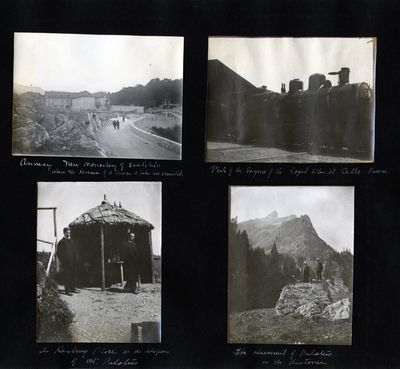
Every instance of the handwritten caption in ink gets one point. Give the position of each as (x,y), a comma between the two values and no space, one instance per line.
(286,357)
(102,169)
(102,356)
(249,171)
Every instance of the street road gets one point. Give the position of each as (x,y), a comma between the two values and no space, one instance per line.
(125,143)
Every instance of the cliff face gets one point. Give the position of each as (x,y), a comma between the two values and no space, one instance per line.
(38,131)
(294,236)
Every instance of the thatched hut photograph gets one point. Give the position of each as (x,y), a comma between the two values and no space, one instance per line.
(99,262)
(99,235)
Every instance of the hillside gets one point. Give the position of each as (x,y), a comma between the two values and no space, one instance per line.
(266,327)
(20,89)
(294,236)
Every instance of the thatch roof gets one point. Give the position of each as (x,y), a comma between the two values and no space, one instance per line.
(111,215)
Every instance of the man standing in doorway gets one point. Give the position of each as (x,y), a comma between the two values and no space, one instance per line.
(67,256)
(131,262)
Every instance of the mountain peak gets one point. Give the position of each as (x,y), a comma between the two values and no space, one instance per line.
(293,235)
(272,215)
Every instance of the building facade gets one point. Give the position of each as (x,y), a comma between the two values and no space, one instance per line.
(76,101)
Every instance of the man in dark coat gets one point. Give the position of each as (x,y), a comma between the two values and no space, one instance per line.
(306,273)
(67,256)
(131,262)
(320,268)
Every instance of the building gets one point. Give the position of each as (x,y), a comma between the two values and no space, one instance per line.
(76,101)
(99,235)
(226,95)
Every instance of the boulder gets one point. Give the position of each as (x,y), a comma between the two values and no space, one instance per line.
(337,290)
(339,310)
(28,113)
(29,138)
(60,119)
(309,309)
(48,122)
(75,137)
(295,295)
(307,298)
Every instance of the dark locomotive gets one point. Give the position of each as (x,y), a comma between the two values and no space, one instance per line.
(321,118)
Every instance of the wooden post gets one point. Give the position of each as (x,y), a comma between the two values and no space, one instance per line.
(103,272)
(151,257)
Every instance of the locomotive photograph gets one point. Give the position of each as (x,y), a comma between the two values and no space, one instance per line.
(107,96)
(290,100)
(290,265)
(98,262)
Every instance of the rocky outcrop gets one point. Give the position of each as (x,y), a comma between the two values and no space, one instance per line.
(338,310)
(293,296)
(58,134)
(76,138)
(309,309)
(315,299)
(29,137)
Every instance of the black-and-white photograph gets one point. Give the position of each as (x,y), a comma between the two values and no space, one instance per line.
(291,100)
(290,277)
(85,95)
(98,265)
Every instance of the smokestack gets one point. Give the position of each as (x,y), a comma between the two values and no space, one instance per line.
(343,74)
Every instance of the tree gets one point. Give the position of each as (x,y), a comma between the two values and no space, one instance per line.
(154,94)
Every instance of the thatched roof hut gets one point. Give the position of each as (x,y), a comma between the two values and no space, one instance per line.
(99,235)
(109,214)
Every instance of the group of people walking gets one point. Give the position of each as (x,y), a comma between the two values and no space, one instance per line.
(307,271)
(66,253)
(116,123)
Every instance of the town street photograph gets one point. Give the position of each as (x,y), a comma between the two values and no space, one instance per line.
(84,95)
(296,100)
(290,265)
(98,262)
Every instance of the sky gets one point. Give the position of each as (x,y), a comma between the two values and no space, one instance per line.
(77,62)
(272,61)
(331,209)
(72,199)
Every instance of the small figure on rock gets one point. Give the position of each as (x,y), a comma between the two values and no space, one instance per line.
(320,268)
(306,273)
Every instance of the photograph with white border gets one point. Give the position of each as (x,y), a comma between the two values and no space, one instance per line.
(291,99)
(87,95)
(290,265)
(98,262)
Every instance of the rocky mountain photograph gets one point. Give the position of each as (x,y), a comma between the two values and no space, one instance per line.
(290,277)
(99,98)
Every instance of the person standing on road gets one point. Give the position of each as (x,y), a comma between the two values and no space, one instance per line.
(67,256)
(131,263)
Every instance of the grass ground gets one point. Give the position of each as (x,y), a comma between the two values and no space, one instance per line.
(264,326)
(167,128)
